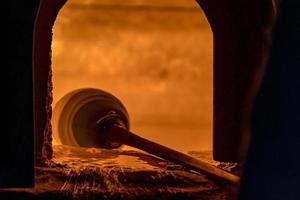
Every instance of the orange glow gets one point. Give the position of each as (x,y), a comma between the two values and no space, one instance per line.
(156,58)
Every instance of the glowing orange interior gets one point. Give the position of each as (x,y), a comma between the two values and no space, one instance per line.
(156,58)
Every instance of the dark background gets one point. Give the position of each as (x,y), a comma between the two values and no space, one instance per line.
(273,162)
(17,135)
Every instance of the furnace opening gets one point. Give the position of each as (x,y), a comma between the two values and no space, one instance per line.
(156,57)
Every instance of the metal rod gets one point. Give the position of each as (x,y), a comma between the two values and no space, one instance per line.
(118,134)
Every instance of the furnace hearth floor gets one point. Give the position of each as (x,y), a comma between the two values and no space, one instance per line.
(88,173)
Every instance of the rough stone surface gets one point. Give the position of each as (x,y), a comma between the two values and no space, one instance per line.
(88,173)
